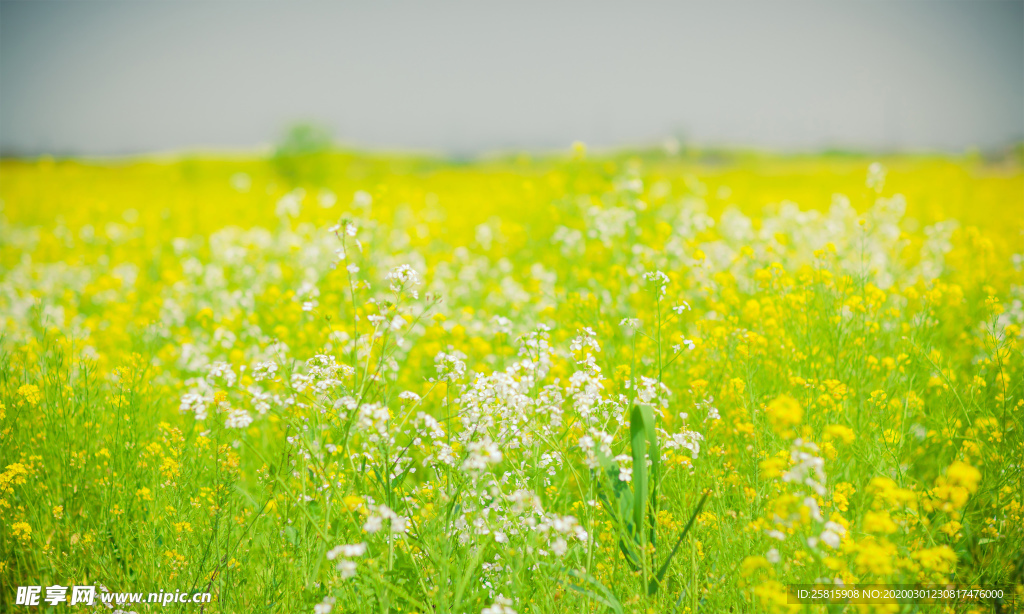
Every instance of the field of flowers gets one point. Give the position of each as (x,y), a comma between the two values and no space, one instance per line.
(639,382)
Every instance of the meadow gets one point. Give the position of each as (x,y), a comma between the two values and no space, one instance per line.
(589,382)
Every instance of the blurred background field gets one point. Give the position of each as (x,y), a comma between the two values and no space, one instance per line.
(179,196)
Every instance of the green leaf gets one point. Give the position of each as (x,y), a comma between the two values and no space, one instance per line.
(291,535)
(638,441)
(643,434)
(654,451)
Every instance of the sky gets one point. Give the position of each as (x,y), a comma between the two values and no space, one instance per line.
(96,77)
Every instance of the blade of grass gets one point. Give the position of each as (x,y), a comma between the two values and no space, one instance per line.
(604,596)
(652,588)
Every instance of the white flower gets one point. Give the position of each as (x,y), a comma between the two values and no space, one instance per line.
(502,325)
(773,555)
(352,268)
(596,440)
(482,454)
(563,524)
(238,419)
(876,177)
(196,403)
(501,605)
(833,534)
(657,278)
(222,370)
(399,524)
(811,504)
(362,198)
(450,366)
(689,440)
(625,471)
(807,467)
(373,524)
(347,569)
(403,277)
(264,370)
(830,538)
(241,182)
(632,323)
(326,198)
(325,606)
(684,306)
(559,546)
(586,338)
(290,204)
(569,527)
(347,550)
(570,239)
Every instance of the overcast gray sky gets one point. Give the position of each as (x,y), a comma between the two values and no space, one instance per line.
(98,77)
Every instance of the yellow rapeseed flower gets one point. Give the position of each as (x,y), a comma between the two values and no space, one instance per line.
(784,413)
(879,522)
(22,531)
(838,432)
(961,474)
(30,393)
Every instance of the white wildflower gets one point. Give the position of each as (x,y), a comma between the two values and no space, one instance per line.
(325,606)
(264,370)
(876,177)
(347,550)
(501,605)
(688,440)
(679,309)
(326,198)
(631,323)
(481,454)
(658,279)
(373,524)
(347,568)
(196,403)
(238,419)
(403,277)
(362,199)
(833,534)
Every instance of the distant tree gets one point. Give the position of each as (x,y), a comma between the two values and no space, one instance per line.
(301,157)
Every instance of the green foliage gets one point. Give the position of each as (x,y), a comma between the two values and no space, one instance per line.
(302,156)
